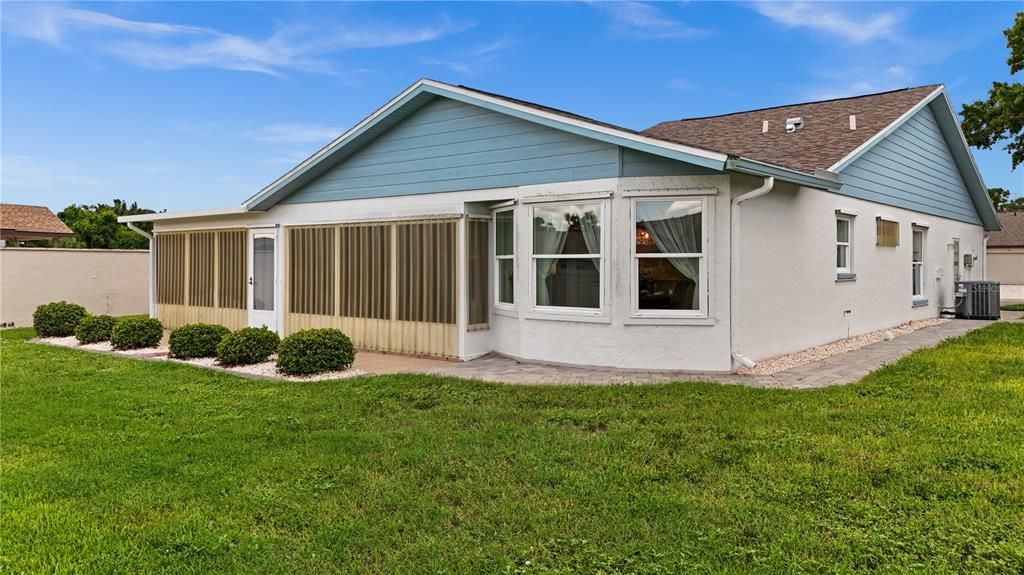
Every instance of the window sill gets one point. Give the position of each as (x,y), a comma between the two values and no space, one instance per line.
(568,316)
(845,277)
(641,320)
(505,311)
(919,302)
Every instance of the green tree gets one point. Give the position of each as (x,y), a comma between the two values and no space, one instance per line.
(96,225)
(1001,116)
(999,197)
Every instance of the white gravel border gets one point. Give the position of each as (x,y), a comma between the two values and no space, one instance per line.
(266,370)
(818,353)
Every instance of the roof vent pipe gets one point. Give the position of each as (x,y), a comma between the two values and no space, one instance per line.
(853,121)
(794,124)
(764,126)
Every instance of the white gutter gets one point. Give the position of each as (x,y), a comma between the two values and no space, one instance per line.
(734,265)
(152,265)
(182,215)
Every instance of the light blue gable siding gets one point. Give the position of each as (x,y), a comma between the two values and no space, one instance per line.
(912,168)
(448,146)
(636,163)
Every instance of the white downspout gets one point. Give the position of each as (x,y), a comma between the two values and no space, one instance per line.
(152,266)
(734,242)
(984,259)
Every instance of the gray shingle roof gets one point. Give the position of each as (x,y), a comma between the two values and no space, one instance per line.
(1012,234)
(825,138)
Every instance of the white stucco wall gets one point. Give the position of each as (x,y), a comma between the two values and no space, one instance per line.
(788,298)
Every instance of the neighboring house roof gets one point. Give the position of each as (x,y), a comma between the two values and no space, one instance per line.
(811,156)
(824,140)
(18,220)
(1012,234)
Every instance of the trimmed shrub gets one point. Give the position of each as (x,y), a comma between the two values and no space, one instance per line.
(95,328)
(135,332)
(247,346)
(197,340)
(57,319)
(315,351)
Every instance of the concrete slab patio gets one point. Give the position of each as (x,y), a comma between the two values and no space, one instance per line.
(840,369)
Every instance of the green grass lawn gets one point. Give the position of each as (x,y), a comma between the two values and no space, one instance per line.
(115,465)
(1013,307)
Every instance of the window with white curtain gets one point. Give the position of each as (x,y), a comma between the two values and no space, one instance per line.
(504,254)
(917,264)
(669,257)
(844,242)
(567,255)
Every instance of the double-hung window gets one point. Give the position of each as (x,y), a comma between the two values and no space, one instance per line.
(917,264)
(669,264)
(567,256)
(844,244)
(504,254)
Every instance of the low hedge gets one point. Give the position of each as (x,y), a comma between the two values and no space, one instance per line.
(247,346)
(315,351)
(136,332)
(57,319)
(197,340)
(95,328)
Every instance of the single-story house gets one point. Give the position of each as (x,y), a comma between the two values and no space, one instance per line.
(1005,256)
(454,222)
(19,222)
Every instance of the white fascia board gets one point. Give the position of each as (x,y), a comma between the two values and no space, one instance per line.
(859,150)
(756,168)
(714,160)
(183,214)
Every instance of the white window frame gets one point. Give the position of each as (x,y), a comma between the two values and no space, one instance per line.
(703,264)
(496,278)
(572,313)
(918,294)
(848,244)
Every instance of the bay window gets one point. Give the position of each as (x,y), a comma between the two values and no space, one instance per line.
(504,254)
(567,256)
(669,264)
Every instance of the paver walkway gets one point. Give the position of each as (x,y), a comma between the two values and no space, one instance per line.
(836,370)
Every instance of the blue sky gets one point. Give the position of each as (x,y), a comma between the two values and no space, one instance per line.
(198,105)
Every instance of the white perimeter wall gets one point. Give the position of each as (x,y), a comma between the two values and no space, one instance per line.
(788,298)
(113,282)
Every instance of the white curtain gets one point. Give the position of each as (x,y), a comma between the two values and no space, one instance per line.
(546,240)
(674,236)
(590,225)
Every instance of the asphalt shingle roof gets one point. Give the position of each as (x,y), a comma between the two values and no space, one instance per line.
(825,138)
(31,219)
(1012,234)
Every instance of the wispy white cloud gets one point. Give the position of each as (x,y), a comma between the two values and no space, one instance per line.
(830,19)
(640,20)
(295,133)
(682,85)
(473,60)
(170,46)
(30,172)
(855,81)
